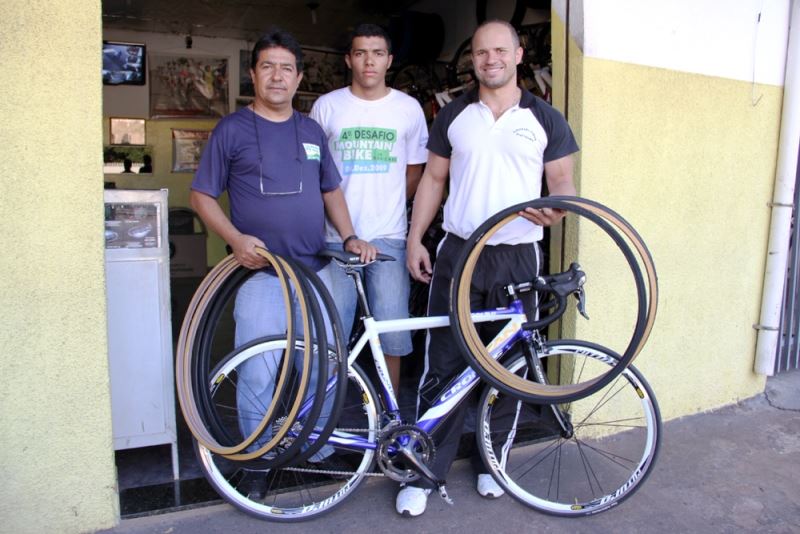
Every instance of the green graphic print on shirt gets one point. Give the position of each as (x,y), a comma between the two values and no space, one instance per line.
(366,150)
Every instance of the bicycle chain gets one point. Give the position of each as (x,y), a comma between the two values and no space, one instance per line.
(338,473)
(327,472)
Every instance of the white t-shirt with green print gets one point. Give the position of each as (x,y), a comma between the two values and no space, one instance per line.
(372,142)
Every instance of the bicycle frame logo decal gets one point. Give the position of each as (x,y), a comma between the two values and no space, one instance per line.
(466,380)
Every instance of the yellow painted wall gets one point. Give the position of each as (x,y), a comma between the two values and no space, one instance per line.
(689,161)
(158,135)
(57,467)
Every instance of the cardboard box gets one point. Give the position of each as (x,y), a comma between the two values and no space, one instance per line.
(187,256)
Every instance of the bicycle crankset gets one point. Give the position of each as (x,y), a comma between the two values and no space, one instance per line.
(404,451)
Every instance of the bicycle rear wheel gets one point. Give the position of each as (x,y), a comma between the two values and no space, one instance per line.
(605,455)
(297,492)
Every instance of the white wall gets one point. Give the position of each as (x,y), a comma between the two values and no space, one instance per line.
(722,38)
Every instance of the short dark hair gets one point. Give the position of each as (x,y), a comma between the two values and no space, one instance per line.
(367,29)
(511,29)
(276,37)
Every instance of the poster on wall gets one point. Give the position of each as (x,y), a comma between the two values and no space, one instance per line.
(135,225)
(188,87)
(187,147)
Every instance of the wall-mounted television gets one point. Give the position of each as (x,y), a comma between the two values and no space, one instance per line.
(123,63)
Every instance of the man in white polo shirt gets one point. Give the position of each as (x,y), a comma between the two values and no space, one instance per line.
(494,143)
(377,137)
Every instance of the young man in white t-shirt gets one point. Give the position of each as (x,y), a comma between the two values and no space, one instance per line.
(377,136)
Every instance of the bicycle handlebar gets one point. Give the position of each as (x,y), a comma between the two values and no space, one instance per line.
(559,286)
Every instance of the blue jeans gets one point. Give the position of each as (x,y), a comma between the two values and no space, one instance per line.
(387,285)
(259,311)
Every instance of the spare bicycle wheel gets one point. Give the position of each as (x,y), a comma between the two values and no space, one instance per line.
(642,314)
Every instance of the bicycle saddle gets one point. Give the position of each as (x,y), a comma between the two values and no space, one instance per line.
(348,258)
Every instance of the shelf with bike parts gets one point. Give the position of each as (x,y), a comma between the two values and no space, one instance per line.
(574,400)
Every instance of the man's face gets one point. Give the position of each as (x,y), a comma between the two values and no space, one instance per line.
(275,77)
(369,59)
(494,56)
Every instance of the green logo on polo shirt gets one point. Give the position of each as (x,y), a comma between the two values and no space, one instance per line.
(312,151)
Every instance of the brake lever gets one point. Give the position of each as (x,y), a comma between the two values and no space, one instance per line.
(580,294)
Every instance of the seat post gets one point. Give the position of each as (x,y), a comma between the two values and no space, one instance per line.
(358,280)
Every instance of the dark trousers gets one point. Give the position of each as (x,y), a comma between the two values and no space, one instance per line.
(497,266)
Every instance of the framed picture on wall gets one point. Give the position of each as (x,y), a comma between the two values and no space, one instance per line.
(188,86)
(126,131)
(187,147)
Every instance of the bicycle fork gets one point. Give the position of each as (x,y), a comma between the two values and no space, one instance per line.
(531,348)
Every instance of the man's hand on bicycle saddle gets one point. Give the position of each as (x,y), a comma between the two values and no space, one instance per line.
(366,252)
(351,259)
(244,250)
(418,261)
(543,216)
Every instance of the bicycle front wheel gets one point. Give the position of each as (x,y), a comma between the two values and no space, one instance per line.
(598,455)
(299,492)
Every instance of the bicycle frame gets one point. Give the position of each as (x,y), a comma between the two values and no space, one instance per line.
(457,389)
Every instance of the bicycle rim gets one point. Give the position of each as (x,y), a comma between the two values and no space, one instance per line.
(289,493)
(615,440)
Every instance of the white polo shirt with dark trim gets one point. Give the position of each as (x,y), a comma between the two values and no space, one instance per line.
(495,164)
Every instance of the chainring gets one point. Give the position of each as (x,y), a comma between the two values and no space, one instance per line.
(411,438)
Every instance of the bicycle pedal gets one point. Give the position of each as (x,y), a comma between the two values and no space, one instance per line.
(443,494)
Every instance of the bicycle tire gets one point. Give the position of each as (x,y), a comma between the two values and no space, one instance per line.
(337,355)
(467,337)
(286,408)
(187,367)
(596,468)
(306,496)
(459,71)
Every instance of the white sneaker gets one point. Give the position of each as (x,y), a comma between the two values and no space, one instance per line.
(412,501)
(487,487)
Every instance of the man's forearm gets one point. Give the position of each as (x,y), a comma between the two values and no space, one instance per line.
(212,215)
(426,203)
(413,176)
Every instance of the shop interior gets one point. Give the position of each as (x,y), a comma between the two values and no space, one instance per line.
(171,71)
